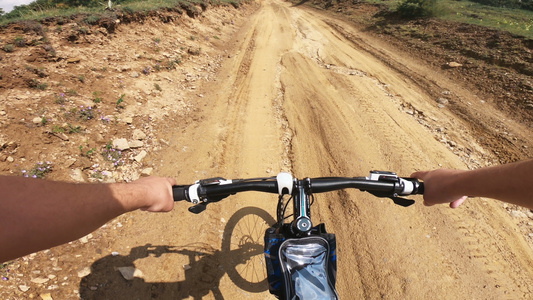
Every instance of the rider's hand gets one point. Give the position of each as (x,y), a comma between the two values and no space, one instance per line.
(439,187)
(154,194)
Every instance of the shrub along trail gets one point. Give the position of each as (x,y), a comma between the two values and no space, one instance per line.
(303,92)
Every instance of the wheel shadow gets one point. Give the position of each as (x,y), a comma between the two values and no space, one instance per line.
(243,241)
(202,274)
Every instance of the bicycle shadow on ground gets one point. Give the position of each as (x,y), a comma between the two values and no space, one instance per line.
(206,266)
(202,276)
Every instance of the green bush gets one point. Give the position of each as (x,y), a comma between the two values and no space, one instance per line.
(417,8)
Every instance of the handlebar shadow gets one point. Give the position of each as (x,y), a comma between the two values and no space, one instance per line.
(207,267)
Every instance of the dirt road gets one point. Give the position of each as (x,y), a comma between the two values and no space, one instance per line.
(305,93)
(297,95)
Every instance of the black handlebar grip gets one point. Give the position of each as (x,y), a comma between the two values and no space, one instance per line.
(420,189)
(179,192)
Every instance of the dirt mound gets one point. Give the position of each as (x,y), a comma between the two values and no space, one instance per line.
(495,62)
(73,87)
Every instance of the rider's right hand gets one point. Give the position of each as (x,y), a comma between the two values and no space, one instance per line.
(440,187)
(153,194)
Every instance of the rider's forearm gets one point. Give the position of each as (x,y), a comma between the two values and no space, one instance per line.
(39,214)
(510,183)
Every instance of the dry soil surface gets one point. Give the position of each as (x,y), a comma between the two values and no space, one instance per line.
(269,87)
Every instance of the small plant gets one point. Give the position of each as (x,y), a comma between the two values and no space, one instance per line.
(157,40)
(147,70)
(81,78)
(58,129)
(171,64)
(195,52)
(40,170)
(157,67)
(85,114)
(29,26)
(44,121)
(100,175)
(96,97)
(72,92)
(20,42)
(60,99)
(36,84)
(83,30)
(4,270)
(105,120)
(42,86)
(9,48)
(113,155)
(50,50)
(71,113)
(120,101)
(157,87)
(41,72)
(92,19)
(73,129)
(68,129)
(86,151)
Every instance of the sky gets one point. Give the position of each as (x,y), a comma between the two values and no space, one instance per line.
(8,5)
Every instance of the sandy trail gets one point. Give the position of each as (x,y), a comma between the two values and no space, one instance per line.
(297,95)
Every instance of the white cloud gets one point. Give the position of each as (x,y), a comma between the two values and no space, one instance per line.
(8,5)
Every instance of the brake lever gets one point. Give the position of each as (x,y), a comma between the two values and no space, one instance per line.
(402,201)
(200,207)
(397,200)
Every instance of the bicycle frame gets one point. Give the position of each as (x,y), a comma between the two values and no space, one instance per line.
(297,251)
(300,193)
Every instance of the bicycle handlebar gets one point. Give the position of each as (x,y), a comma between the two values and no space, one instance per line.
(382,184)
(179,192)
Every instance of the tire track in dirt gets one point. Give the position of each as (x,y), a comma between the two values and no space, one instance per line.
(252,121)
(251,135)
